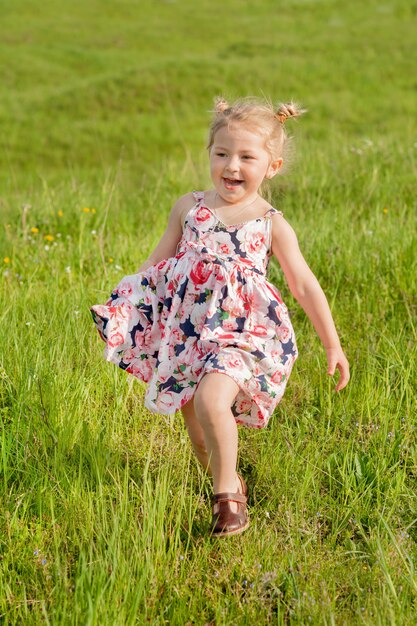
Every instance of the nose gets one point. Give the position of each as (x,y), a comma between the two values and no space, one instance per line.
(233,164)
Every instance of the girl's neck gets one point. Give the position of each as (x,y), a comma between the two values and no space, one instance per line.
(221,203)
(235,212)
(217,202)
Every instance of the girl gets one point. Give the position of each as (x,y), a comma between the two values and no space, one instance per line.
(201,324)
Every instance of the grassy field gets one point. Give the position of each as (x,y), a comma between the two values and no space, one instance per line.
(103,123)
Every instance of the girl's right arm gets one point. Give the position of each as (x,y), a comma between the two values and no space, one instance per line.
(168,243)
(305,288)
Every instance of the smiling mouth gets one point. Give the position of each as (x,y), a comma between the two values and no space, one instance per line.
(232,182)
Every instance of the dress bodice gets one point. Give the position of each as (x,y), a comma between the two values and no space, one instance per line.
(247,245)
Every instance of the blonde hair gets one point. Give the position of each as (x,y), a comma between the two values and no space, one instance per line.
(260,115)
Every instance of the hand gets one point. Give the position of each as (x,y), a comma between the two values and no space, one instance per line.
(336,359)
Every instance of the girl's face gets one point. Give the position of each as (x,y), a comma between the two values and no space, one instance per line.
(239,162)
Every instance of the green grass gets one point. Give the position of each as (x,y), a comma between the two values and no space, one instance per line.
(104,510)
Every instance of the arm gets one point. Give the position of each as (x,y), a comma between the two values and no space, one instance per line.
(168,243)
(305,288)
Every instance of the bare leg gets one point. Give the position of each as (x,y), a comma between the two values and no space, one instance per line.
(196,435)
(212,401)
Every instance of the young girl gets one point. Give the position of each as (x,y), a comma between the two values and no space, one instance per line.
(201,324)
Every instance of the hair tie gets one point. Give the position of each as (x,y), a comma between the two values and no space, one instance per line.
(281,117)
(288,110)
(220,105)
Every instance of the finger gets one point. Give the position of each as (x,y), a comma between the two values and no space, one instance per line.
(344,377)
(331,368)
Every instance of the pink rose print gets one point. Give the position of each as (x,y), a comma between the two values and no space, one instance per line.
(165,369)
(283,333)
(202,215)
(147,338)
(124,289)
(198,315)
(141,369)
(277,352)
(166,401)
(161,265)
(224,243)
(129,356)
(257,370)
(260,331)
(115,339)
(175,336)
(231,361)
(190,359)
(252,241)
(118,314)
(244,405)
(220,335)
(278,376)
(188,302)
(261,300)
(233,306)
(230,324)
(200,273)
(256,242)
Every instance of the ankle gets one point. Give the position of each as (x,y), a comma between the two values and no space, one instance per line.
(228,487)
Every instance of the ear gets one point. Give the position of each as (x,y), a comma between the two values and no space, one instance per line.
(273,168)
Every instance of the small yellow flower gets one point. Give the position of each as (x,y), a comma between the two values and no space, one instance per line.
(6,259)
(86,210)
(60,213)
(34,230)
(385,210)
(49,237)
(110,260)
(93,210)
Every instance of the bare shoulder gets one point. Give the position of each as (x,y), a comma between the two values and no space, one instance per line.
(182,206)
(185,201)
(280,226)
(283,234)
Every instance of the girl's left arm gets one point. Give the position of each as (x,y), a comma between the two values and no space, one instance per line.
(305,288)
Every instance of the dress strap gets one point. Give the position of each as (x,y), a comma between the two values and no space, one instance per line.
(269,213)
(198,195)
(273,211)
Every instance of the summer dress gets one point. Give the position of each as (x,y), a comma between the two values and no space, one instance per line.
(208,309)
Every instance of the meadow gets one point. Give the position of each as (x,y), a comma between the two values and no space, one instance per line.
(103,124)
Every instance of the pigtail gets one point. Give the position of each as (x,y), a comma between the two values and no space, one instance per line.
(285,111)
(220,105)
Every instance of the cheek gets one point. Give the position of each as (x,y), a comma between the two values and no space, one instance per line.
(260,172)
(216,166)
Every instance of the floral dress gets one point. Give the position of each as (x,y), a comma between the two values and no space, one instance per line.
(208,309)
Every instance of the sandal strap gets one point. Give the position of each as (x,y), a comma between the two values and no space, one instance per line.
(229,497)
(243,484)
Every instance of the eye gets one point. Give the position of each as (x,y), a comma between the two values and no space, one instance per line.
(248,157)
(220,154)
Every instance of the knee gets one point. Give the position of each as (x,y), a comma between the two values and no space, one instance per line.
(208,406)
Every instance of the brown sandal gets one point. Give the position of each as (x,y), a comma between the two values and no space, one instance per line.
(225,522)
